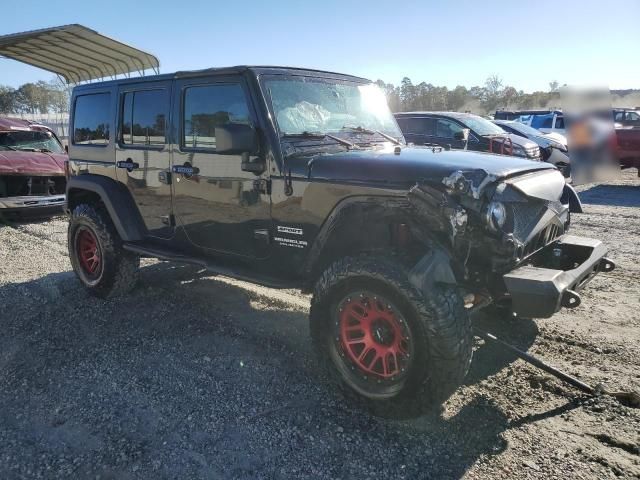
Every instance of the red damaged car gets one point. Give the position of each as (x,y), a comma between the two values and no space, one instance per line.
(32,169)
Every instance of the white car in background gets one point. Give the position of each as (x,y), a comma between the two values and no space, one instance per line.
(553,146)
(547,121)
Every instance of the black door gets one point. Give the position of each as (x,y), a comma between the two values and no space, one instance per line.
(219,206)
(417,130)
(142,151)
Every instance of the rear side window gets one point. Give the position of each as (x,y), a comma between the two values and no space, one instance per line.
(542,121)
(207,107)
(420,126)
(402,123)
(91,119)
(143,118)
(559,122)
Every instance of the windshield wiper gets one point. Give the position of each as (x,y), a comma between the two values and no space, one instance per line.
(9,147)
(34,149)
(360,129)
(320,135)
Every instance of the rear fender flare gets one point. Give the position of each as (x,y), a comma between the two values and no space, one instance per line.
(117,200)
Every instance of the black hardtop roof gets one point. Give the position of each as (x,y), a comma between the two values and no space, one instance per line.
(239,69)
(531,112)
(438,114)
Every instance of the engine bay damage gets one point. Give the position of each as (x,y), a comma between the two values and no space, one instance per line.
(27,185)
(491,225)
(20,194)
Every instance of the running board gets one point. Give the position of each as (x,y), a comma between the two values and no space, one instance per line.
(238,273)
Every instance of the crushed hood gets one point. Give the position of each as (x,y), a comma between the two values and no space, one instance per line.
(412,164)
(31,163)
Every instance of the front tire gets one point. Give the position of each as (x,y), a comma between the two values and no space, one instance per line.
(96,253)
(385,344)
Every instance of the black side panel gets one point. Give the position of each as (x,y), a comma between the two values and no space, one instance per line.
(116,198)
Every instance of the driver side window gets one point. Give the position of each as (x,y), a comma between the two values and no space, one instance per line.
(208,106)
(447,128)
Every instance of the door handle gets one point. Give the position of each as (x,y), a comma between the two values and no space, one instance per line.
(187,170)
(128,164)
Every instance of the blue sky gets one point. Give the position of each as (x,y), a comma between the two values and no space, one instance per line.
(527,44)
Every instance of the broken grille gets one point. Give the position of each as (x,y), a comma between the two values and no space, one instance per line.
(541,239)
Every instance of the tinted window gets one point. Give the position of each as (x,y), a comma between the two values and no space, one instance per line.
(447,128)
(91,119)
(559,122)
(542,121)
(402,123)
(420,126)
(510,129)
(143,118)
(618,116)
(209,106)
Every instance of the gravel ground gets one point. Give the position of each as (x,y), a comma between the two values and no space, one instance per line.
(194,376)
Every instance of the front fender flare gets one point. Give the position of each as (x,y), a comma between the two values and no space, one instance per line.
(570,197)
(433,268)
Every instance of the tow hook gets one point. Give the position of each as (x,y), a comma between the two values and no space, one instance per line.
(629,399)
(570,299)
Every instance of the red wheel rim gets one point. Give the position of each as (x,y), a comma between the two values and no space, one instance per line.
(88,252)
(374,336)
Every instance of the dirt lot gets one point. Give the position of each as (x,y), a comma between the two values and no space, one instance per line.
(192,376)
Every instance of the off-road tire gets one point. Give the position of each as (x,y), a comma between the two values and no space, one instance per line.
(119,268)
(439,325)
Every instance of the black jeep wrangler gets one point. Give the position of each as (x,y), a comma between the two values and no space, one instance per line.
(296,178)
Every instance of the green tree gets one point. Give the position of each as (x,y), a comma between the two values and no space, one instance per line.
(7,99)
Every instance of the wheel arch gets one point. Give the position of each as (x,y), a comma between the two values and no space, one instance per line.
(359,224)
(116,199)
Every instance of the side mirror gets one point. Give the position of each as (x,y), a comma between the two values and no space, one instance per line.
(235,139)
(462,135)
(66,149)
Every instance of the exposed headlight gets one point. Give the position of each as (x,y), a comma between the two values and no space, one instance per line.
(495,216)
(518,151)
(558,145)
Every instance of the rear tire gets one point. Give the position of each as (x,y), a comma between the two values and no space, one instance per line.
(96,253)
(373,296)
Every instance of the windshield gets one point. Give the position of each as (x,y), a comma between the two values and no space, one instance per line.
(29,140)
(315,105)
(481,126)
(524,129)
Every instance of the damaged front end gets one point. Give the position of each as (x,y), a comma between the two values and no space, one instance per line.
(494,226)
(21,194)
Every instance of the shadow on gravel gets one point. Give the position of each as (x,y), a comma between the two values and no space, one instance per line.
(490,358)
(191,377)
(615,195)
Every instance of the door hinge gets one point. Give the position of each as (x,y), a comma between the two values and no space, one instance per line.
(262,185)
(169,220)
(164,177)
(288,184)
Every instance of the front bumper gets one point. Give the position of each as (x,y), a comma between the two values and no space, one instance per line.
(553,281)
(32,204)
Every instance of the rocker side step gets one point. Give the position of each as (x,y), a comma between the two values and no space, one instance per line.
(238,272)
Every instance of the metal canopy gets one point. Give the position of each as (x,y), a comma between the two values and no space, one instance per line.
(76,53)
